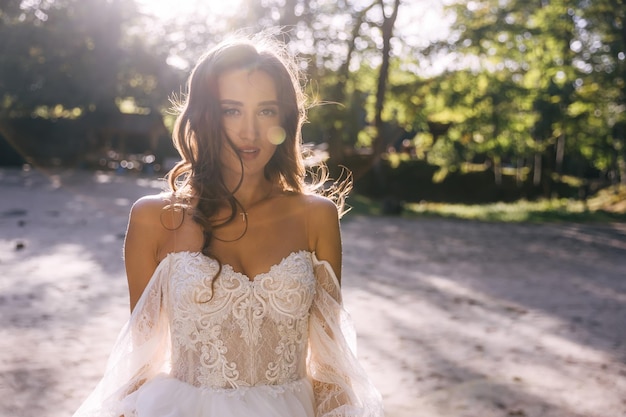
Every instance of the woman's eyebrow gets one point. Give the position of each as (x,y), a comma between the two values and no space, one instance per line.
(231,102)
(239,103)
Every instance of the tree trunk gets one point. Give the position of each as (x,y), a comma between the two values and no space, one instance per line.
(621,169)
(378,145)
(335,148)
(537,170)
(547,181)
(519,180)
(497,170)
(560,153)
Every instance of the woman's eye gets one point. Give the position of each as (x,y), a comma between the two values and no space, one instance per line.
(230,112)
(268,112)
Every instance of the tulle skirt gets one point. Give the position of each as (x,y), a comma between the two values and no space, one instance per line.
(165,396)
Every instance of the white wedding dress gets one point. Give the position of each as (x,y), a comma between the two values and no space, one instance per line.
(279,345)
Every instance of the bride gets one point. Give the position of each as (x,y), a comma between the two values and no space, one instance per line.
(234,274)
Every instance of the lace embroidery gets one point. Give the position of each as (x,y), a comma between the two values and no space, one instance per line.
(250,332)
(206,349)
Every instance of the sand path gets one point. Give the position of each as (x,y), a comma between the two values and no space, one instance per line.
(454,318)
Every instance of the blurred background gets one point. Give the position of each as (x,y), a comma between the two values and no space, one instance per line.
(510,111)
(428,102)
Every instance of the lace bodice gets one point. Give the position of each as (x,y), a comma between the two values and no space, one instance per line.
(283,326)
(250,332)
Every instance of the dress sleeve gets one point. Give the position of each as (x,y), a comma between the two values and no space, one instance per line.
(141,351)
(340,384)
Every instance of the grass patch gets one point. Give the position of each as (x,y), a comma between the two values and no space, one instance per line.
(361,205)
(556,210)
(521,211)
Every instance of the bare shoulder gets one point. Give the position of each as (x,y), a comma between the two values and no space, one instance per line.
(152,217)
(151,204)
(323,230)
(144,237)
(152,210)
(320,210)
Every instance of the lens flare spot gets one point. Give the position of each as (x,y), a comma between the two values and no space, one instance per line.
(276,135)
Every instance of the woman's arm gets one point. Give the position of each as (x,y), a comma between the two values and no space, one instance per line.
(324,232)
(142,244)
(340,385)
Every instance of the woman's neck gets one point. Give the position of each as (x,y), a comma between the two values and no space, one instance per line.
(252,191)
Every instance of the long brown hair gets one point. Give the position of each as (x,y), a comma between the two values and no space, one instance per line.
(198,132)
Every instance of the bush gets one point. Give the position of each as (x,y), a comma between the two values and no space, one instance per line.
(412,181)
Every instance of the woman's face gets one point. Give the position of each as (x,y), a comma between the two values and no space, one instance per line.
(251,120)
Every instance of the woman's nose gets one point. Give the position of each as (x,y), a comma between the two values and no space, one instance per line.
(248,129)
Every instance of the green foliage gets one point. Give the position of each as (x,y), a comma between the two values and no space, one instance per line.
(534,82)
(542,211)
(76,54)
(522,211)
(554,67)
(348,118)
(404,179)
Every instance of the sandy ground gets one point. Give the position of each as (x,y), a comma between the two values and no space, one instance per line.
(454,318)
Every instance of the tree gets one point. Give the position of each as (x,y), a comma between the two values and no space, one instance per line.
(65,67)
(75,54)
(601,59)
(528,44)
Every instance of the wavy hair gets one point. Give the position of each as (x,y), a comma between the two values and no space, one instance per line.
(198,132)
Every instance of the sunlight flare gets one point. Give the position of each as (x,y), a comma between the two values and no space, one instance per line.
(168,10)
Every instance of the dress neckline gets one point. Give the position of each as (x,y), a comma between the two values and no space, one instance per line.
(232,270)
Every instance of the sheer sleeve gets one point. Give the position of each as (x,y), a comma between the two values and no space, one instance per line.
(341,386)
(140,352)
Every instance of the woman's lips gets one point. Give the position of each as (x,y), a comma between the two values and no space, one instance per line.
(249,152)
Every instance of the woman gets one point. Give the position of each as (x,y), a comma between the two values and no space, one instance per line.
(234,274)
